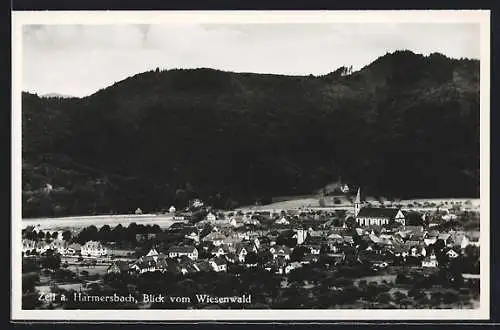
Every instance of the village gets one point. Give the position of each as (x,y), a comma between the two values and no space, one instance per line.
(393,251)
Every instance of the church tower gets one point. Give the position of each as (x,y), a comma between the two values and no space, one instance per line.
(357,203)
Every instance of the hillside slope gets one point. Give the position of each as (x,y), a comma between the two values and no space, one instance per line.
(406,125)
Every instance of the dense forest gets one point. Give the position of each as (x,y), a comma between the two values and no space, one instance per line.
(406,125)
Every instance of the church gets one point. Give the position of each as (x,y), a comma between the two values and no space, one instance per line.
(375,216)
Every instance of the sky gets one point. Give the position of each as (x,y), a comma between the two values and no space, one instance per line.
(78,60)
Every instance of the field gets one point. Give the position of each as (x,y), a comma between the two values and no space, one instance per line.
(342,202)
(72,223)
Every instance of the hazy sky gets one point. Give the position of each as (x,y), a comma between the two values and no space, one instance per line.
(80,59)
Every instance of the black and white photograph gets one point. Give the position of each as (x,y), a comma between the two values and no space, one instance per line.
(250,165)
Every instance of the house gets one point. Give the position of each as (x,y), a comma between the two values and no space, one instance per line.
(399,250)
(186,250)
(337,258)
(470,238)
(309,258)
(216,238)
(231,257)
(253,221)
(430,240)
(413,229)
(218,251)
(171,209)
(218,264)
(196,203)
(452,254)
(203,265)
(73,249)
(243,249)
(292,266)
(236,223)
(446,238)
(280,252)
(28,245)
(456,237)
(449,217)
(348,239)
(211,217)
(231,241)
(416,250)
(154,262)
(93,249)
(192,236)
(314,249)
(282,221)
(277,265)
(187,266)
(430,261)
(118,267)
(373,216)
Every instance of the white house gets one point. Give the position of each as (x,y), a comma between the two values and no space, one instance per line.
(28,245)
(282,221)
(218,264)
(218,251)
(211,217)
(236,223)
(315,249)
(292,266)
(171,209)
(469,240)
(280,251)
(241,253)
(93,249)
(430,240)
(215,237)
(452,254)
(178,251)
(430,261)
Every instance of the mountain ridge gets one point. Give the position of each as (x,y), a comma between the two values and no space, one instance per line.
(166,136)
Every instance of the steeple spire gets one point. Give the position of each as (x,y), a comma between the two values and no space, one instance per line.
(357,203)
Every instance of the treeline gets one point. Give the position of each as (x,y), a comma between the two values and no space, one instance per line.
(406,125)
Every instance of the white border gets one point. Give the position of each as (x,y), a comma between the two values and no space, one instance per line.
(19,19)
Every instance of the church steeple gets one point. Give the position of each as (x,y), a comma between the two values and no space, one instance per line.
(357,203)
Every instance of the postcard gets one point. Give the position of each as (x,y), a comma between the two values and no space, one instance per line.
(250,165)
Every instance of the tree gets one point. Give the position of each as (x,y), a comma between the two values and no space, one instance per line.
(89,233)
(351,222)
(105,233)
(251,258)
(383,298)
(51,260)
(399,298)
(298,253)
(67,235)
(450,297)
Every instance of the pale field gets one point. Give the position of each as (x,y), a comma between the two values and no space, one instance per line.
(73,223)
(313,203)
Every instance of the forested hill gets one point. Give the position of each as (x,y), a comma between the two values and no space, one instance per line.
(405,125)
